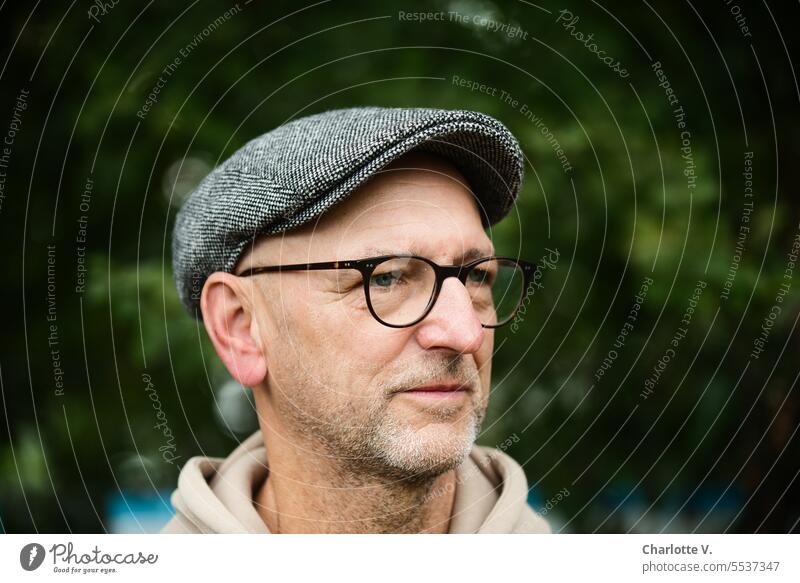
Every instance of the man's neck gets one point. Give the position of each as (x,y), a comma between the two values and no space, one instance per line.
(308,493)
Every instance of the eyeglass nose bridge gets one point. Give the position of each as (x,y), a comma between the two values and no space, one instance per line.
(444,272)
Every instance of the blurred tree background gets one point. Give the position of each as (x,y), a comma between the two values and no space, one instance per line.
(674,426)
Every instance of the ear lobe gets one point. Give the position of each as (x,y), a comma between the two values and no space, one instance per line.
(228,318)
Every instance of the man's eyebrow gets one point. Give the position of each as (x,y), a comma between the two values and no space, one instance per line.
(467,256)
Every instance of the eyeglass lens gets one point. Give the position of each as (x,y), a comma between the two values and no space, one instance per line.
(401,288)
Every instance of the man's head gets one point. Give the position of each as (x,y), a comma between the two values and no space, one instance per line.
(325,367)
(339,186)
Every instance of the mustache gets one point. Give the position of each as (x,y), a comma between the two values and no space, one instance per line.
(434,370)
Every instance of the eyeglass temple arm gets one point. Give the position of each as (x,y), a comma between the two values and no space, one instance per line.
(300,267)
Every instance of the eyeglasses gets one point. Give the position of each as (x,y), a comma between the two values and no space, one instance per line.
(402,289)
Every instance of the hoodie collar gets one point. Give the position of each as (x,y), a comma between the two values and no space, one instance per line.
(216,495)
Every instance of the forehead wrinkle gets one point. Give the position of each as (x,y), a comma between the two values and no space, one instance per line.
(414,249)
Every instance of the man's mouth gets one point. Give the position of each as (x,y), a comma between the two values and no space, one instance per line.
(438,392)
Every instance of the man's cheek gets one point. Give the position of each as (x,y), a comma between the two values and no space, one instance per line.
(375,348)
(483,358)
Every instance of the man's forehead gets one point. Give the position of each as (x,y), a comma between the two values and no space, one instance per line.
(456,255)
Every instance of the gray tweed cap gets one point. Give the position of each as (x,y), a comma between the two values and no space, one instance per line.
(294,173)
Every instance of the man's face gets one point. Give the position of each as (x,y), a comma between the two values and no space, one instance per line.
(344,381)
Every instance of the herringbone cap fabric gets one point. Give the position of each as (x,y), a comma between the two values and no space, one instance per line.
(294,173)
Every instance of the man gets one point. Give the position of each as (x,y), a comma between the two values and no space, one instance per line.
(317,251)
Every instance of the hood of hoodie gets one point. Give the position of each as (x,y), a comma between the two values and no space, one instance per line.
(215,495)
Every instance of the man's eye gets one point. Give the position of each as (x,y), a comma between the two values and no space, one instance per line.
(385,280)
(480,277)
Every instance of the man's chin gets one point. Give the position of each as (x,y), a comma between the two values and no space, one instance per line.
(423,453)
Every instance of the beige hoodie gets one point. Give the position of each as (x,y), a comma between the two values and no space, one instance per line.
(215,495)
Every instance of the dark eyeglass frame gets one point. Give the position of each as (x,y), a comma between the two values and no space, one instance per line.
(368,265)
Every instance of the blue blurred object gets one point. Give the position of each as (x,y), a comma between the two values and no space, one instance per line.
(535,499)
(130,512)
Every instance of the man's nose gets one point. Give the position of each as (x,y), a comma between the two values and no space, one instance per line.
(453,322)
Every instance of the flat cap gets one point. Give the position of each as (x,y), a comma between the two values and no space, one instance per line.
(294,173)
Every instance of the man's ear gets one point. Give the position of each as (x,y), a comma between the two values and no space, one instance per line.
(228,318)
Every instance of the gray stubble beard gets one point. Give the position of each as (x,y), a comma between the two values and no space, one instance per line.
(384,447)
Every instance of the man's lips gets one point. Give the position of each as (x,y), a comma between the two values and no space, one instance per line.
(438,391)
